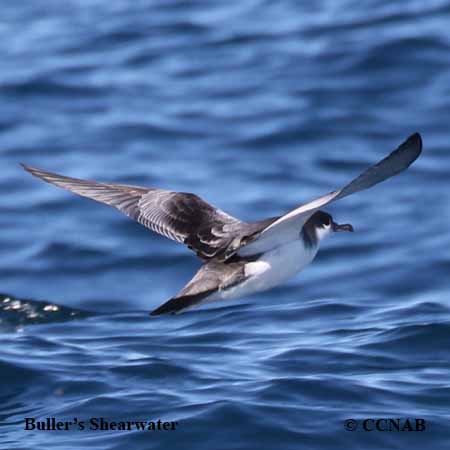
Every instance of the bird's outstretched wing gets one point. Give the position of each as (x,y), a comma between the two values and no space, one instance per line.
(180,216)
(287,227)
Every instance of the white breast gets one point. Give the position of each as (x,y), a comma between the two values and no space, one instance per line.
(273,268)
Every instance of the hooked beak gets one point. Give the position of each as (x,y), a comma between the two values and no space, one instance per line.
(342,227)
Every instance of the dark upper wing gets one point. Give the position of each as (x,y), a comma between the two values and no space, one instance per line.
(287,227)
(183,217)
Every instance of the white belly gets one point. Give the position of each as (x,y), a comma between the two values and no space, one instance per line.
(272,269)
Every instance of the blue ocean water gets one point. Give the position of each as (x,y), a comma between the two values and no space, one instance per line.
(256,106)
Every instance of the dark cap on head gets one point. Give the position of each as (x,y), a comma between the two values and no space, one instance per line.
(321,219)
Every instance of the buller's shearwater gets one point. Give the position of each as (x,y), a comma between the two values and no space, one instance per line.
(239,258)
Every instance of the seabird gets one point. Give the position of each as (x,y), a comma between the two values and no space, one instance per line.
(239,258)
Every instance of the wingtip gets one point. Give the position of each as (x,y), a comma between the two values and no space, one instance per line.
(39,173)
(411,149)
(415,140)
(28,168)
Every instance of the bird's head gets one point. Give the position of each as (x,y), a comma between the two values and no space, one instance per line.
(323,224)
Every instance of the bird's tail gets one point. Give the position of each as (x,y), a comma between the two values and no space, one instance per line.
(178,304)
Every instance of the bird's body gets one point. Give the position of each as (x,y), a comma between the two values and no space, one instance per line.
(269,270)
(278,265)
(226,281)
(239,258)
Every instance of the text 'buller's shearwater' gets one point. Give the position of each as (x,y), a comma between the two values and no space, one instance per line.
(239,258)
